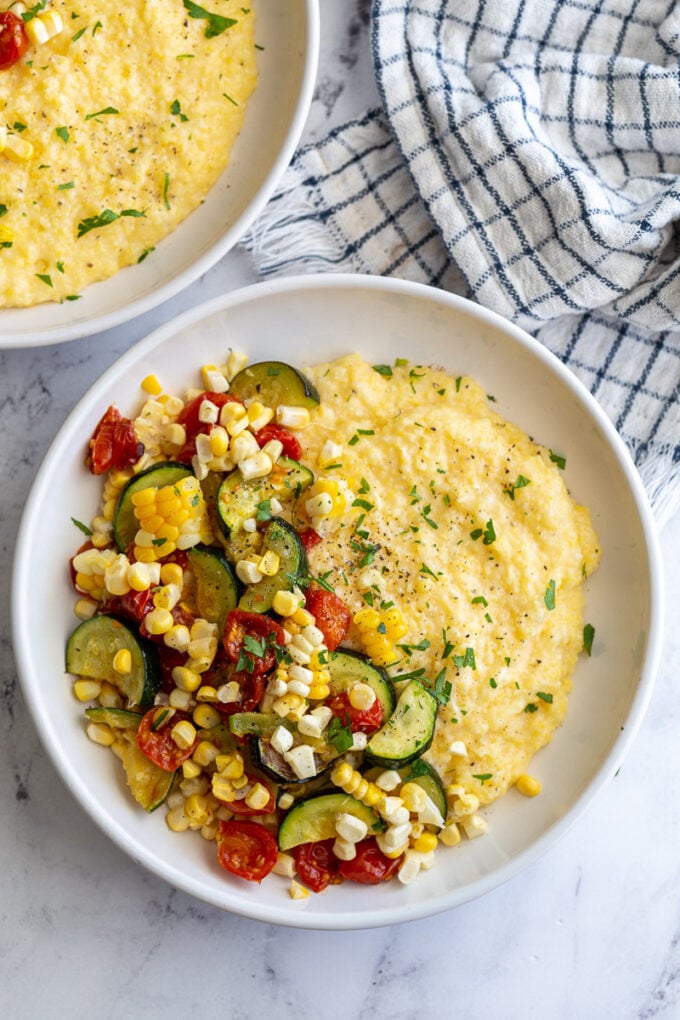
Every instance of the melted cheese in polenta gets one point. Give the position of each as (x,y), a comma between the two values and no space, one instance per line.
(466,525)
(131,111)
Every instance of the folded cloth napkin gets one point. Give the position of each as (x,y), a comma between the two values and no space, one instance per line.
(527,155)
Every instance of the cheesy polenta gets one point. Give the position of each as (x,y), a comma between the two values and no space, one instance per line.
(465,524)
(116,128)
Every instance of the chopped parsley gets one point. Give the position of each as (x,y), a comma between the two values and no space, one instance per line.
(147,251)
(232,101)
(479,600)
(83,527)
(424,569)
(176,110)
(482,776)
(264,510)
(588,635)
(166,185)
(46,278)
(549,597)
(106,112)
(79,33)
(531,707)
(521,483)
(63,133)
(487,533)
(384,370)
(468,659)
(18,127)
(548,698)
(441,691)
(216,23)
(340,736)
(103,219)
(65,187)
(557,459)
(31,13)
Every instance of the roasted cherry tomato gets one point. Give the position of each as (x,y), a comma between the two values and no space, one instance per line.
(113,444)
(13,39)
(246,849)
(133,606)
(248,640)
(316,863)
(332,615)
(291,447)
(309,538)
(366,720)
(370,866)
(188,417)
(159,746)
(239,807)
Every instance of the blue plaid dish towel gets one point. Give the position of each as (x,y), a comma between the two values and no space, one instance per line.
(526,155)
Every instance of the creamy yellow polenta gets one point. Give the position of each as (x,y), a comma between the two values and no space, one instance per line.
(475,538)
(131,112)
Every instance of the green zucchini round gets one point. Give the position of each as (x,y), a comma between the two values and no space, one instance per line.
(92,646)
(125,524)
(274,383)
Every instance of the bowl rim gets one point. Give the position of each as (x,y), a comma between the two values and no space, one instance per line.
(46,336)
(372,918)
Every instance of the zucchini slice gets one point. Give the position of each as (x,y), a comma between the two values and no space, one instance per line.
(217,587)
(273,764)
(125,525)
(245,724)
(409,730)
(281,538)
(149,784)
(274,383)
(237,500)
(90,651)
(116,718)
(348,668)
(313,819)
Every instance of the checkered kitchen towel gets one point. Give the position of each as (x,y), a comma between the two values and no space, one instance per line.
(528,156)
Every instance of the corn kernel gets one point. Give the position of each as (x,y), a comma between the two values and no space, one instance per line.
(100,733)
(122,661)
(208,693)
(159,621)
(285,603)
(87,690)
(109,696)
(425,843)
(205,753)
(230,766)
(450,835)
(151,385)
(303,618)
(172,573)
(269,563)
(528,786)
(183,734)
(177,820)
(223,788)
(318,691)
(84,609)
(195,807)
(298,891)
(190,769)
(185,679)
(258,798)
(205,717)
(361,696)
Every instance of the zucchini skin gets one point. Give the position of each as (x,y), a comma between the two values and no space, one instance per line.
(275,382)
(408,732)
(85,657)
(313,818)
(217,587)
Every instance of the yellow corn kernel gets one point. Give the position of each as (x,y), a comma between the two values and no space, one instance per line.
(425,843)
(177,820)
(205,753)
(151,385)
(379,649)
(366,619)
(268,565)
(239,783)
(223,788)
(258,797)
(205,717)
(109,696)
(122,661)
(210,829)
(303,618)
(84,609)
(528,786)
(190,769)
(290,706)
(87,690)
(206,693)
(352,782)
(185,678)
(318,691)
(230,766)
(144,497)
(219,441)
(183,734)
(159,621)
(172,573)
(414,797)
(52,23)
(100,733)
(450,835)
(395,627)
(398,852)
(361,696)
(285,603)
(196,809)
(297,891)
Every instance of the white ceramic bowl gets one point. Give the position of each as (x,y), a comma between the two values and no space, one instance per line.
(310,319)
(289,36)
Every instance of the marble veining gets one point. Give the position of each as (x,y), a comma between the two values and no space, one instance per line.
(589,932)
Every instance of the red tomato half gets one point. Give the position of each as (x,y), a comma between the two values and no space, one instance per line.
(13,39)
(316,863)
(133,606)
(113,444)
(370,866)
(291,447)
(332,615)
(367,720)
(260,657)
(246,849)
(188,417)
(159,746)
(239,807)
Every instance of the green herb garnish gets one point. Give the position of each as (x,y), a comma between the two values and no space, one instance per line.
(216,23)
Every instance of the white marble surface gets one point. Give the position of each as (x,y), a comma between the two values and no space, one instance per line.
(590,931)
